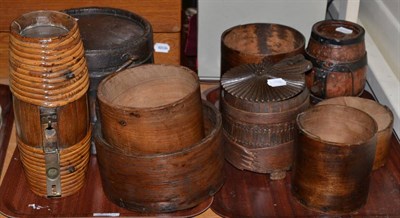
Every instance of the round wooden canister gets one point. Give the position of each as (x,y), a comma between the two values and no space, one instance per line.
(151,109)
(256,42)
(383,117)
(164,182)
(113,39)
(49,80)
(337,50)
(259,120)
(333,158)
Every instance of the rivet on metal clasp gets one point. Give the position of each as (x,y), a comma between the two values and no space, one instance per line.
(48,118)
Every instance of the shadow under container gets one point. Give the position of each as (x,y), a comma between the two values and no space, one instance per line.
(49,81)
(337,50)
(259,118)
(333,158)
(383,117)
(254,43)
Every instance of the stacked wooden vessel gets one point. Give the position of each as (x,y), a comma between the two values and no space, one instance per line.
(159,146)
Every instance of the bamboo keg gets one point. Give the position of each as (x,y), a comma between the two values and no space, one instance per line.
(49,81)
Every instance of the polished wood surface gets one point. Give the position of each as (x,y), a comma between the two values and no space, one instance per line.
(7,117)
(164,15)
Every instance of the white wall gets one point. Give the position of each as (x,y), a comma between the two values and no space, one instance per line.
(381,18)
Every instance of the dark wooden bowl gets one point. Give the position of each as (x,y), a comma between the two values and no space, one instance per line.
(339,59)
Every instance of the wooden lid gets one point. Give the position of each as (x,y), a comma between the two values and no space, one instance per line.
(267,82)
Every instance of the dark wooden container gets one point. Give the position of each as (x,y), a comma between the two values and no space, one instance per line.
(113,39)
(334,158)
(337,50)
(260,120)
(256,42)
(168,181)
(383,117)
(151,109)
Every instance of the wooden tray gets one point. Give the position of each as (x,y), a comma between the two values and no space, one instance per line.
(248,194)
(8,119)
(18,201)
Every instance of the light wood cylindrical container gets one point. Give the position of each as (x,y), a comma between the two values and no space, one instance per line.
(333,158)
(256,42)
(151,109)
(49,80)
(383,117)
(337,50)
(259,118)
(164,182)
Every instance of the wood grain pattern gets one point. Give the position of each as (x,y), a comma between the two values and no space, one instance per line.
(174,54)
(4,65)
(164,15)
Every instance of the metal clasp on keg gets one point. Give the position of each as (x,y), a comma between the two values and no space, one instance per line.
(48,119)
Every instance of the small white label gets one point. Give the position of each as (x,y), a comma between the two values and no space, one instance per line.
(276,82)
(344,30)
(106,214)
(161,47)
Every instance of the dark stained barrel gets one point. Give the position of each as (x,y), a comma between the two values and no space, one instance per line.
(337,50)
(113,39)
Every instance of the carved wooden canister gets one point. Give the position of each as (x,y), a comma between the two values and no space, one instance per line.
(337,50)
(334,157)
(383,117)
(164,182)
(256,42)
(151,109)
(49,81)
(259,104)
(113,40)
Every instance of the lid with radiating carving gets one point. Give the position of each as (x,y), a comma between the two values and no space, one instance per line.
(266,82)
